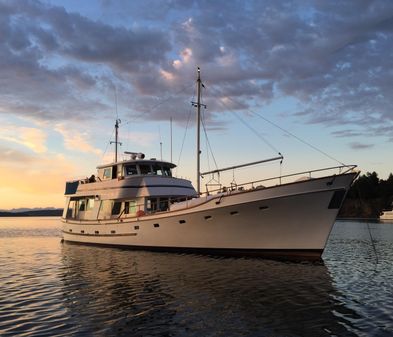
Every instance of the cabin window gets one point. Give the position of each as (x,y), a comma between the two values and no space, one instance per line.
(131,170)
(167,171)
(114,172)
(151,205)
(145,169)
(71,210)
(82,205)
(164,204)
(116,208)
(157,169)
(105,209)
(108,173)
(90,204)
(130,207)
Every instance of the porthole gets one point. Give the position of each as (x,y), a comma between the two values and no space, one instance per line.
(234,213)
(156,225)
(136,227)
(182,221)
(96,232)
(263,207)
(82,232)
(113,232)
(70,230)
(208,217)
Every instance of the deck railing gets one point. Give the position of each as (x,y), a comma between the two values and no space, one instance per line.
(279,180)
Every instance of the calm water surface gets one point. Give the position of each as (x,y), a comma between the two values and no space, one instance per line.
(52,289)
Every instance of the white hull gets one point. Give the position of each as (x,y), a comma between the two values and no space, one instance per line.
(286,220)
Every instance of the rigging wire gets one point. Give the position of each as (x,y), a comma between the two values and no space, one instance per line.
(185,133)
(107,144)
(141,114)
(247,125)
(282,129)
(208,145)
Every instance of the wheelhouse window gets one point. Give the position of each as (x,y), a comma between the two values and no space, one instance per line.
(157,170)
(145,169)
(131,170)
(108,173)
(167,171)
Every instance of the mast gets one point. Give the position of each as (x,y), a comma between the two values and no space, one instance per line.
(199,132)
(198,105)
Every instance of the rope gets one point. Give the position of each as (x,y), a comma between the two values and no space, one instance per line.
(185,133)
(208,142)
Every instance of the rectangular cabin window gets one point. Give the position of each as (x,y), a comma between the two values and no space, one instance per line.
(114,172)
(131,170)
(167,171)
(82,205)
(151,205)
(157,170)
(108,173)
(164,204)
(71,210)
(105,209)
(130,207)
(90,204)
(116,208)
(145,169)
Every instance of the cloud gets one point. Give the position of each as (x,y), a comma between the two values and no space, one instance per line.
(9,156)
(32,138)
(360,146)
(332,57)
(76,140)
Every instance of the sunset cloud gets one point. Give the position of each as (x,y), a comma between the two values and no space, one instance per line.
(32,138)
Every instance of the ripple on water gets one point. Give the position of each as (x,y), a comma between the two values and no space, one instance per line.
(49,289)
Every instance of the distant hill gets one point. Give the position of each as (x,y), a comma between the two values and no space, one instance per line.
(32,212)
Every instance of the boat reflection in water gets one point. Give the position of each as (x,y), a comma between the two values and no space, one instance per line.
(140,293)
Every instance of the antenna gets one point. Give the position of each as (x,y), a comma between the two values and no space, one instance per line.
(170,120)
(116,142)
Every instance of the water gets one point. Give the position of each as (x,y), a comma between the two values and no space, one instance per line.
(52,289)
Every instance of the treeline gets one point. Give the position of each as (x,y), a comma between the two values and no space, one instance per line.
(368,197)
(46,212)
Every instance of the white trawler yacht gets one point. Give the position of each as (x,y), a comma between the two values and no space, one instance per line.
(137,203)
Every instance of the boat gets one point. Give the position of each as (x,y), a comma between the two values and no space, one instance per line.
(138,203)
(387,215)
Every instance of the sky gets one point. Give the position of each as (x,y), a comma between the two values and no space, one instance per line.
(312,80)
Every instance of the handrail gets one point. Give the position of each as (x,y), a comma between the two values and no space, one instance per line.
(279,178)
